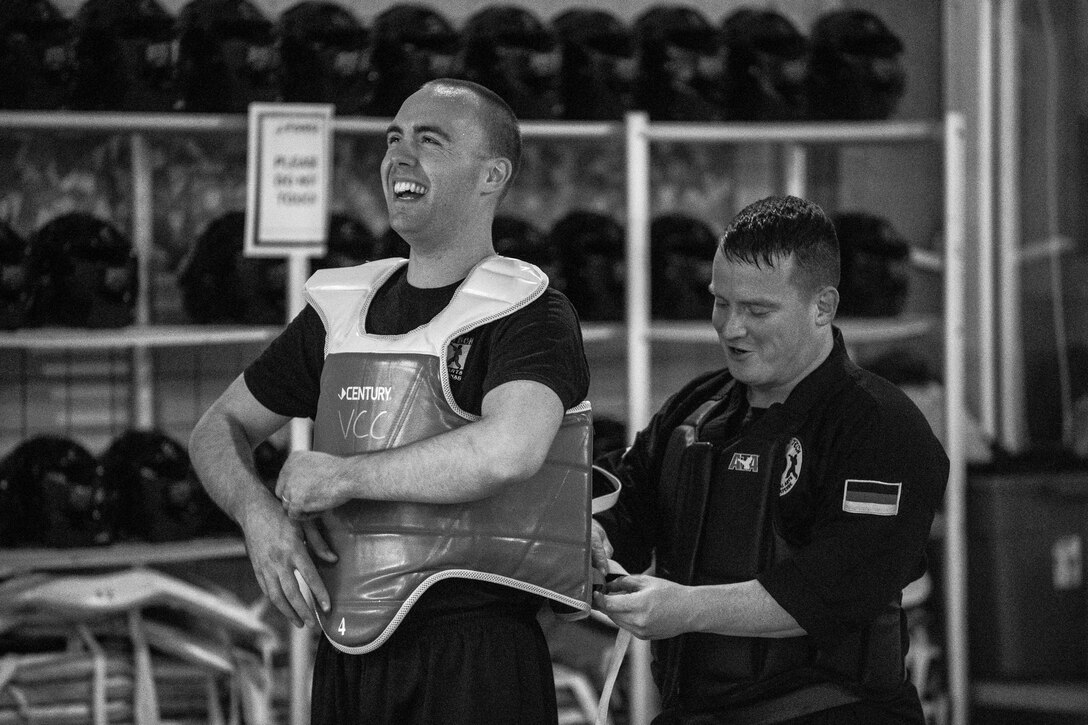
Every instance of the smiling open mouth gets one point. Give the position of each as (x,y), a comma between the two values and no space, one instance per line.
(408,190)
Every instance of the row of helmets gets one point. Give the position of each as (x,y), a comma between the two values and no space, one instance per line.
(671,60)
(583,255)
(56,493)
(80,271)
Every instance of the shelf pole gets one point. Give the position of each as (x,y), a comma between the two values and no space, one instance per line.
(987,383)
(638,270)
(143,374)
(795,170)
(1011,357)
(301,639)
(955,539)
(298,270)
(637,141)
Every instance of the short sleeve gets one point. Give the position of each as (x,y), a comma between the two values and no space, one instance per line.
(541,342)
(286,376)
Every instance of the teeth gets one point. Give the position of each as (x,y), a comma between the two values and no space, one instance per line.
(409,187)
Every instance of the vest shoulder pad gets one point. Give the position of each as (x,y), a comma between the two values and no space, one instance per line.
(515,268)
(357,277)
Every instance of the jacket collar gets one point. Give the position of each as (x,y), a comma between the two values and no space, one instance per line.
(816,386)
(822,381)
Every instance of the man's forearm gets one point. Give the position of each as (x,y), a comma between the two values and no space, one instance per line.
(222,456)
(508,443)
(743,609)
(462,465)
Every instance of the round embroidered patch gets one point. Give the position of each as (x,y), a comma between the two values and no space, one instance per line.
(794,454)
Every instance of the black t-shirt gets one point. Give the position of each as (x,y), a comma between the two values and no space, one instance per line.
(541,342)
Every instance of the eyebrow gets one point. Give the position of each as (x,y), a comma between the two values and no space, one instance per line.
(437,131)
(749,302)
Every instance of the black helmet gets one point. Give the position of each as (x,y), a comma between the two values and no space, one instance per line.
(350,243)
(127,57)
(593,249)
(681,262)
(227,56)
(84,273)
(509,50)
(766,67)
(599,64)
(680,64)
(219,284)
(413,44)
(874,263)
(521,239)
(16,283)
(37,53)
(56,494)
(159,500)
(855,70)
(11,519)
(269,458)
(325,52)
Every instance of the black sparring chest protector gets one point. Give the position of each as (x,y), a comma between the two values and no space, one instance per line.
(721,498)
(385,391)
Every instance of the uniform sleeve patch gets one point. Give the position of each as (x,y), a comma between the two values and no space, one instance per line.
(871,497)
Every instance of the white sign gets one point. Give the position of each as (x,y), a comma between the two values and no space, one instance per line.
(288,177)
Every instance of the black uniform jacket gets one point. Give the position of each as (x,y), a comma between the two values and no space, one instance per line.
(856,478)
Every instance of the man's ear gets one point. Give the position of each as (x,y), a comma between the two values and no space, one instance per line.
(827,303)
(499,171)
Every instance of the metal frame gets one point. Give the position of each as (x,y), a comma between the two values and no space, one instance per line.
(955,303)
(987,382)
(1012,432)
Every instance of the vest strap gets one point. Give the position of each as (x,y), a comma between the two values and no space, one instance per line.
(615,659)
(606,501)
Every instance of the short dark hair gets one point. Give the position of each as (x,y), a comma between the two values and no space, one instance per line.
(776,227)
(501,127)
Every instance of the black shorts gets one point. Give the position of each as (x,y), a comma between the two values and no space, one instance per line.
(470,669)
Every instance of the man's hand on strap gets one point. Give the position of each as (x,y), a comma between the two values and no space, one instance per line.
(600,554)
(647,606)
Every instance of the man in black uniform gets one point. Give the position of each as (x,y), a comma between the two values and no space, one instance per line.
(467,651)
(785,500)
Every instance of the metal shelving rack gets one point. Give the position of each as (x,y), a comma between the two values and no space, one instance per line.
(638,332)
(25,561)
(135,336)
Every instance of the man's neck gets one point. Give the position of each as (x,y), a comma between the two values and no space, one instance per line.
(444,263)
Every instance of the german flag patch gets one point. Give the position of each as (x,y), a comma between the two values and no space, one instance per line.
(876,498)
